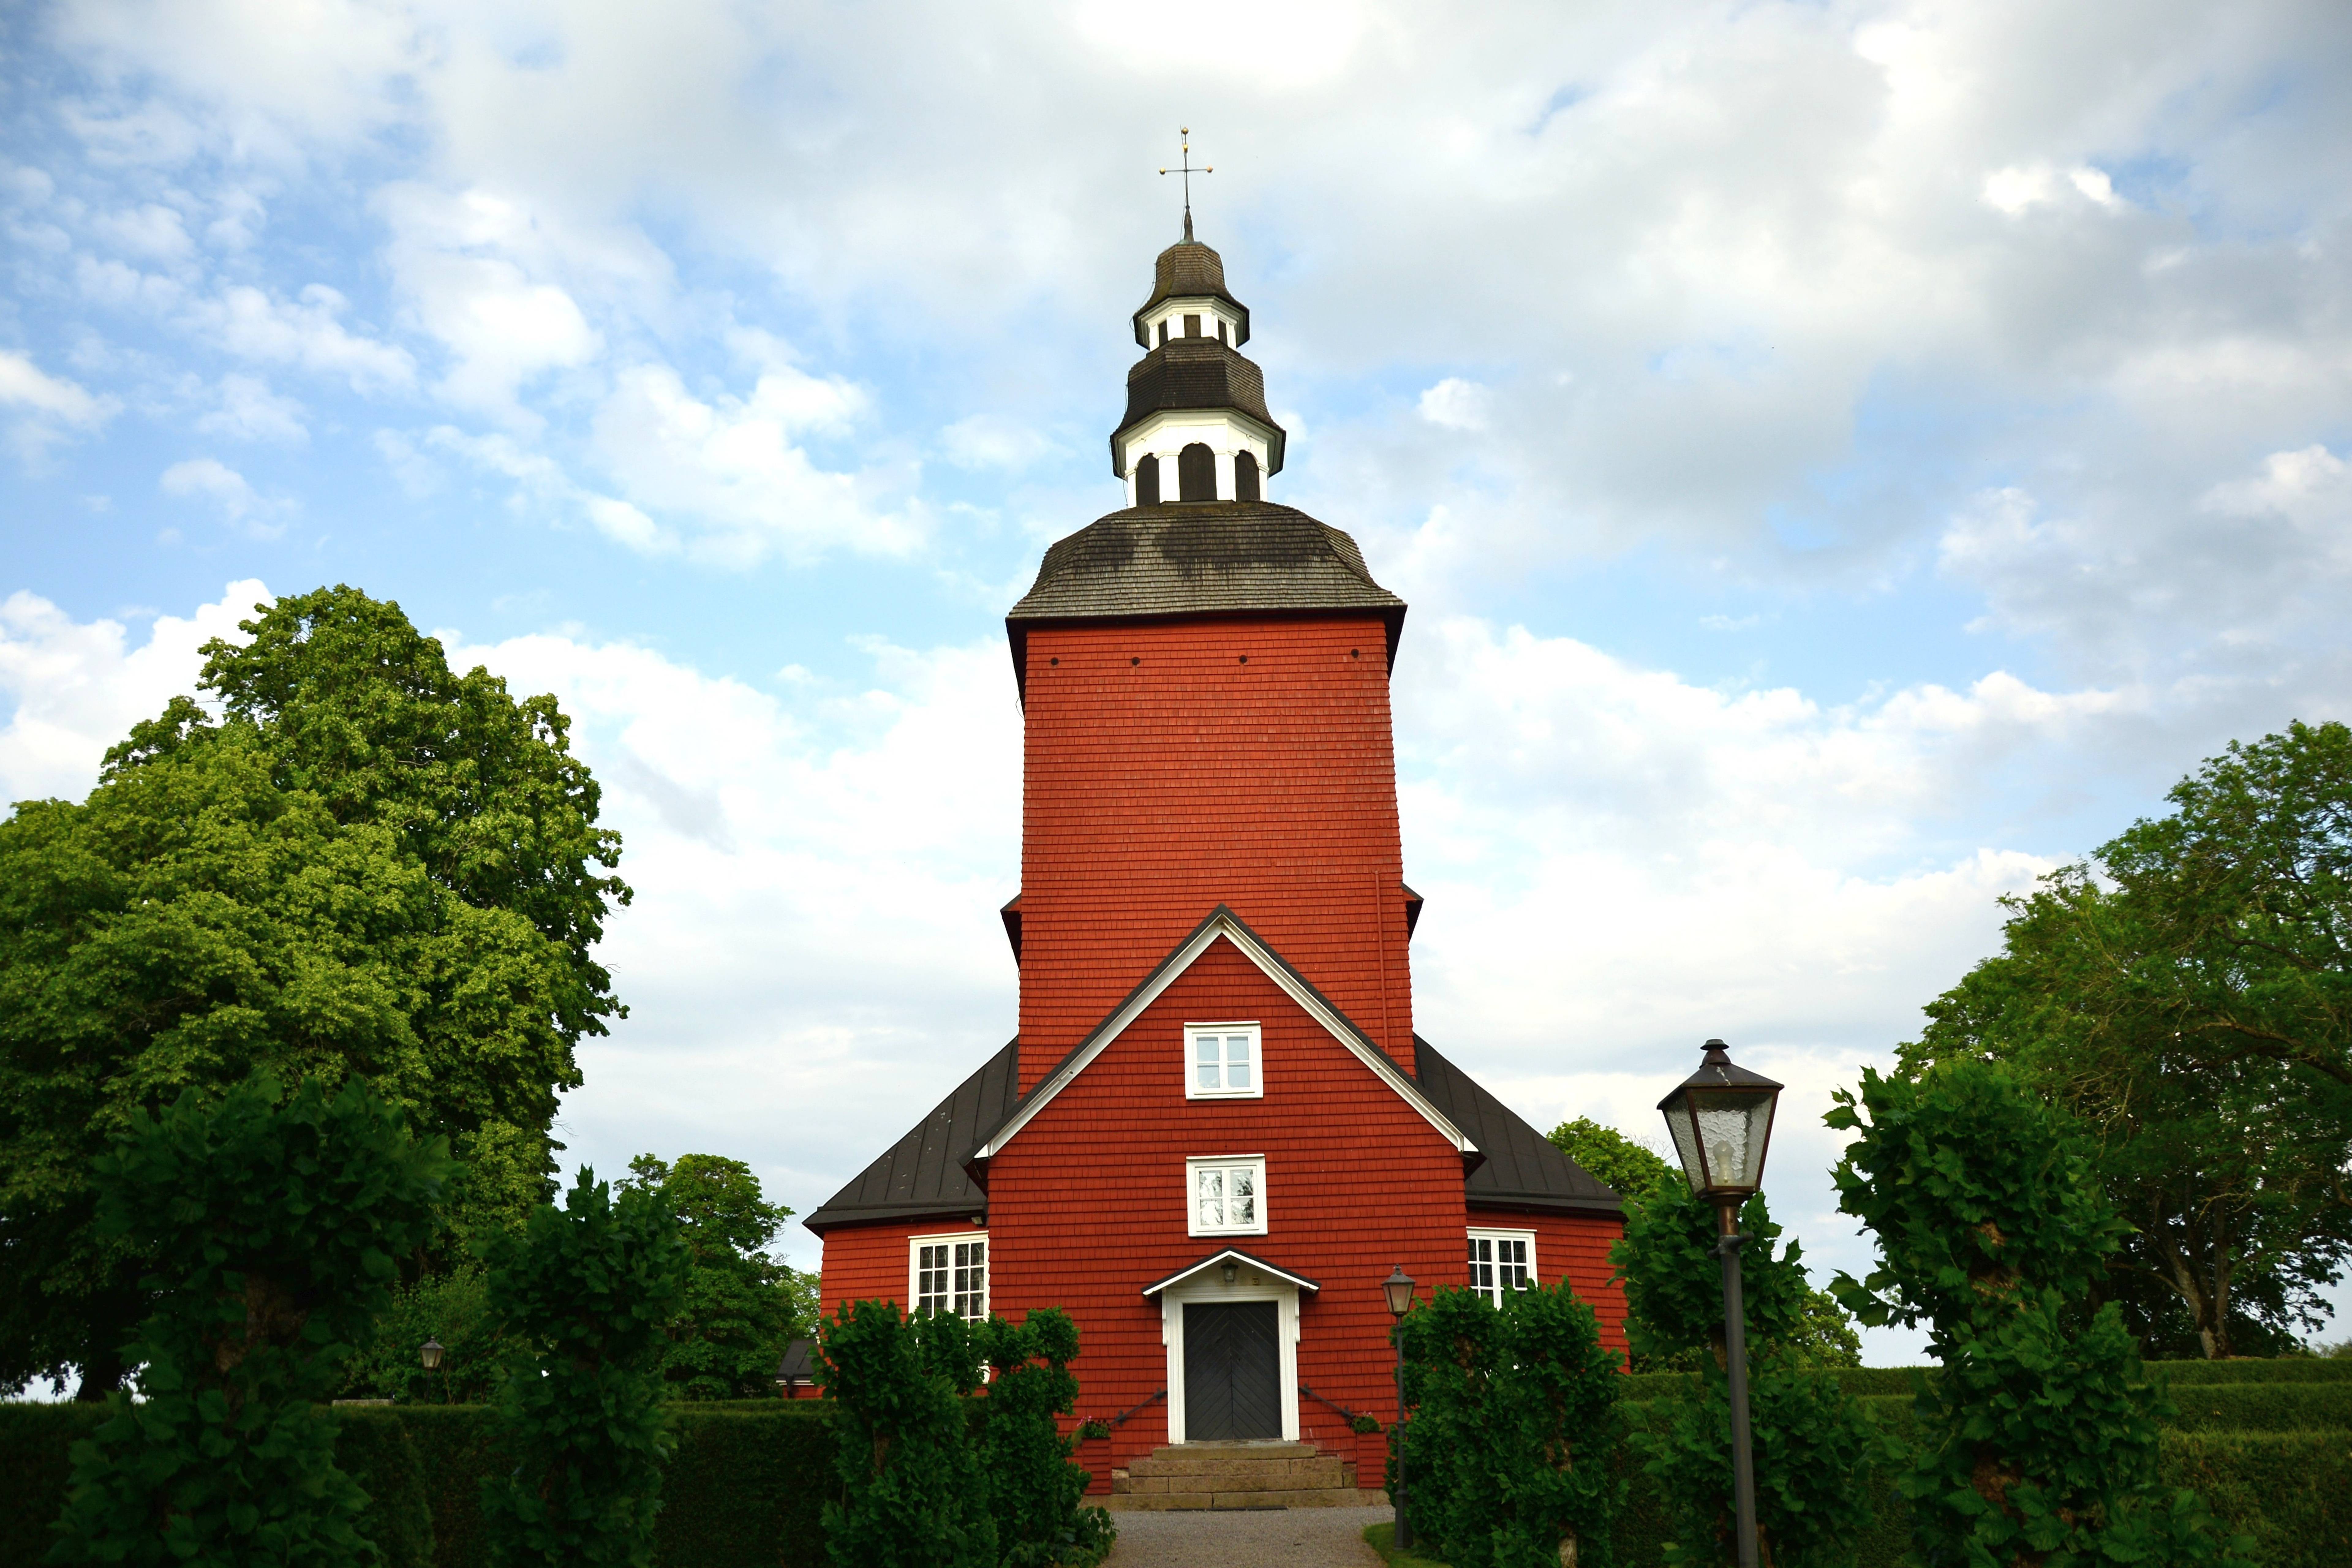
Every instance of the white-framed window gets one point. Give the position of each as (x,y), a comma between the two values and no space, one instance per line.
(1220,1062)
(949,1273)
(1228,1195)
(1501,1260)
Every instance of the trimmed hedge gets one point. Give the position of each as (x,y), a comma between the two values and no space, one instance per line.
(748,1480)
(1866,1382)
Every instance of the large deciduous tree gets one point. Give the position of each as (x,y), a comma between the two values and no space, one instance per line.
(742,1304)
(348,860)
(2188,995)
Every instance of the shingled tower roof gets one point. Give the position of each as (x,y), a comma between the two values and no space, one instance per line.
(1225,550)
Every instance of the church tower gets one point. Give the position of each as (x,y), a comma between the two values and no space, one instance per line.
(1216,1130)
(1204,685)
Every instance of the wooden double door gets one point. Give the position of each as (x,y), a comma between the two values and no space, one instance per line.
(1233,1371)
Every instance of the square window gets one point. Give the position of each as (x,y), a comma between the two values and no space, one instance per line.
(1501,1260)
(1228,1195)
(1221,1061)
(951,1274)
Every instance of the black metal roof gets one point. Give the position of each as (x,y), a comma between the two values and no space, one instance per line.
(1189,269)
(923,1172)
(1201,558)
(1522,1168)
(1197,373)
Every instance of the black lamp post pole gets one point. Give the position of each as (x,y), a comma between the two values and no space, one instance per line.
(1403,1519)
(1735,1358)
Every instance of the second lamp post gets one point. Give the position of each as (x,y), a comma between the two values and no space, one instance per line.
(1721,1119)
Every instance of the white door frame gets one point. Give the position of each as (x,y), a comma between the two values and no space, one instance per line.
(1249,1284)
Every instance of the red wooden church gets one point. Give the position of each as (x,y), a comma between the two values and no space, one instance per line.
(1216,1130)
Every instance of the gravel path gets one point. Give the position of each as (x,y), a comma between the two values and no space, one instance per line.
(1246,1538)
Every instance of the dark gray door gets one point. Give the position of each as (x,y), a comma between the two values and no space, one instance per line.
(1232,1372)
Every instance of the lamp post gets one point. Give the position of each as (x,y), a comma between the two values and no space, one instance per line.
(430,1353)
(1398,1289)
(1721,1119)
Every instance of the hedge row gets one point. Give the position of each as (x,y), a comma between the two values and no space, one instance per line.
(2272,1457)
(2285,1478)
(1866,1382)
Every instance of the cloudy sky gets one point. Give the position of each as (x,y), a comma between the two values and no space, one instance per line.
(1843,459)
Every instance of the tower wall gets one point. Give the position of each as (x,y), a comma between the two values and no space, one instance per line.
(1174,765)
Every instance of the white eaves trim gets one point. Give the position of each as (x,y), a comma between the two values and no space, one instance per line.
(1224,925)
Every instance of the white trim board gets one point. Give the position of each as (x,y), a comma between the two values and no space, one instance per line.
(1223,925)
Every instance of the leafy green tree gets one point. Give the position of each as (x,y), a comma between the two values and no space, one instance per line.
(2188,996)
(354,862)
(742,1304)
(587,1290)
(452,1309)
(273,1228)
(1817,1331)
(1510,1454)
(912,1495)
(1625,1165)
(2038,1439)
(1812,1447)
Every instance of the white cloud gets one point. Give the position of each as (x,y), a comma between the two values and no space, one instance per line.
(249,411)
(1456,404)
(302,331)
(258,515)
(737,470)
(993,441)
(76,688)
(49,398)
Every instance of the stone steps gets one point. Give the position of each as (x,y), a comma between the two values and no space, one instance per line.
(1236,1476)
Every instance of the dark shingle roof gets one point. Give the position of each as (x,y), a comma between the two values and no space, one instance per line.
(1522,1169)
(923,1172)
(1189,269)
(1197,373)
(1201,558)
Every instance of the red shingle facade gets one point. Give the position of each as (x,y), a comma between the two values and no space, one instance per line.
(1210,836)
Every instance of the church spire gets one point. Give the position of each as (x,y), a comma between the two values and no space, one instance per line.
(1185,168)
(1196,428)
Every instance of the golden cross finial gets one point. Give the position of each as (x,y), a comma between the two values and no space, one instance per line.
(1186,169)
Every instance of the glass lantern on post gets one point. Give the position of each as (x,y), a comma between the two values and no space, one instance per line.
(1721,1122)
(1397,1289)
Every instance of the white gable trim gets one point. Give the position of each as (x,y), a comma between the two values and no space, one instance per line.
(1223,925)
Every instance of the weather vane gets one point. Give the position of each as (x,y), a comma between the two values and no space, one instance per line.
(1186,169)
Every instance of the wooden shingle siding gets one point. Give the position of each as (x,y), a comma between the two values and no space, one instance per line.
(1166,776)
(1089,1204)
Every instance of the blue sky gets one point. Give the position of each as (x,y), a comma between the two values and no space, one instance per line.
(1843,460)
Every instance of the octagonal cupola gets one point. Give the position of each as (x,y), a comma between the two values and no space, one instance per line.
(1196,427)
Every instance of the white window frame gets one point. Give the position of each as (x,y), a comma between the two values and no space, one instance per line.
(950,1239)
(1192,1089)
(1494,1291)
(1194,1166)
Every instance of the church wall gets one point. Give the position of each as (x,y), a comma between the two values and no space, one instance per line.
(1164,776)
(1577,1245)
(1089,1202)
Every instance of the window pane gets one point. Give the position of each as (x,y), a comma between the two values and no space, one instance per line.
(1212,1199)
(1243,1210)
(1237,1061)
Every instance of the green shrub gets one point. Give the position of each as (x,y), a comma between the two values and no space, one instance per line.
(1033,1488)
(273,1228)
(910,1492)
(457,1449)
(2291,1492)
(2035,1443)
(1512,1451)
(589,1289)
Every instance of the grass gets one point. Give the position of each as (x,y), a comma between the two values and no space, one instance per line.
(1381,1537)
